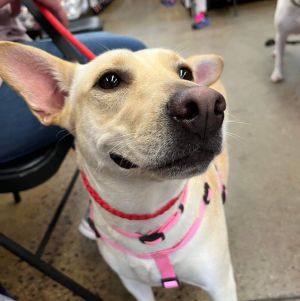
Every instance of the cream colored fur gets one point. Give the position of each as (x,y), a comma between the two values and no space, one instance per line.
(129,120)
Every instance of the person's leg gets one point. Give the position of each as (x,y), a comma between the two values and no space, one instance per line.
(200,19)
(99,42)
(200,6)
(21,133)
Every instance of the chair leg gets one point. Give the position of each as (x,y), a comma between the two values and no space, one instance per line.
(17,197)
(46,268)
(35,259)
(59,209)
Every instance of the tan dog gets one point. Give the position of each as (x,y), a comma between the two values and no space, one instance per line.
(147,127)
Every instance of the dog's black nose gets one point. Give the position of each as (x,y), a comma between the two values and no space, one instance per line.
(199,110)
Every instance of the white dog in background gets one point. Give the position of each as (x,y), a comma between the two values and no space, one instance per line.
(287,21)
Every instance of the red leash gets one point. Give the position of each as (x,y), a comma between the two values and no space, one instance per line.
(65,32)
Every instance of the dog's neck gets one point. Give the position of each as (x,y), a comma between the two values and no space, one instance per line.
(133,195)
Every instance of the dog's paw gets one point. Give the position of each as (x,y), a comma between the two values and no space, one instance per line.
(276,77)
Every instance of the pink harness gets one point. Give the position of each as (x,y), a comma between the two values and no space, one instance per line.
(161,258)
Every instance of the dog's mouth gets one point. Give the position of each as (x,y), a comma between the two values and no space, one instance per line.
(122,162)
(195,158)
(192,159)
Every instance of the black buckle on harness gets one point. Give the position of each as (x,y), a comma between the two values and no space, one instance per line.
(170,282)
(205,195)
(152,237)
(224,194)
(93,227)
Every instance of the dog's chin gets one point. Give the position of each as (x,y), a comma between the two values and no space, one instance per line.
(185,166)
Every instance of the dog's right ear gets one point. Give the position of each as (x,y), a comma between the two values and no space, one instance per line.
(41,79)
(207,68)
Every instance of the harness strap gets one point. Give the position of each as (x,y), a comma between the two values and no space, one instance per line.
(159,234)
(168,275)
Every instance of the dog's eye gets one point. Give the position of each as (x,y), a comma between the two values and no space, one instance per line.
(109,80)
(185,73)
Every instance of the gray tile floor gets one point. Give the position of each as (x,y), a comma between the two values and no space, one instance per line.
(263,211)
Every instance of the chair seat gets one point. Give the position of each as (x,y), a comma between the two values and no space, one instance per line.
(86,24)
(82,25)
(34,169)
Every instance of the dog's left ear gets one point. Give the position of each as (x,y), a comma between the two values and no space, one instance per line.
(207,68)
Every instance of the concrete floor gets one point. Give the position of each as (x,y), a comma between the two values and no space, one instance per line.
(263,210)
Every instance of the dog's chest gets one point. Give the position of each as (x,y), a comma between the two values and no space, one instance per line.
(146,269)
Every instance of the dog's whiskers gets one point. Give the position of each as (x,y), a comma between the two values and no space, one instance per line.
(238,122)
(235,136)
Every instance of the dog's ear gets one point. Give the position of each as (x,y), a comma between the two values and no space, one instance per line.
(207,68)
(41,79)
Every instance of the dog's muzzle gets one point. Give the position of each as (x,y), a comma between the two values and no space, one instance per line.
(195,117)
